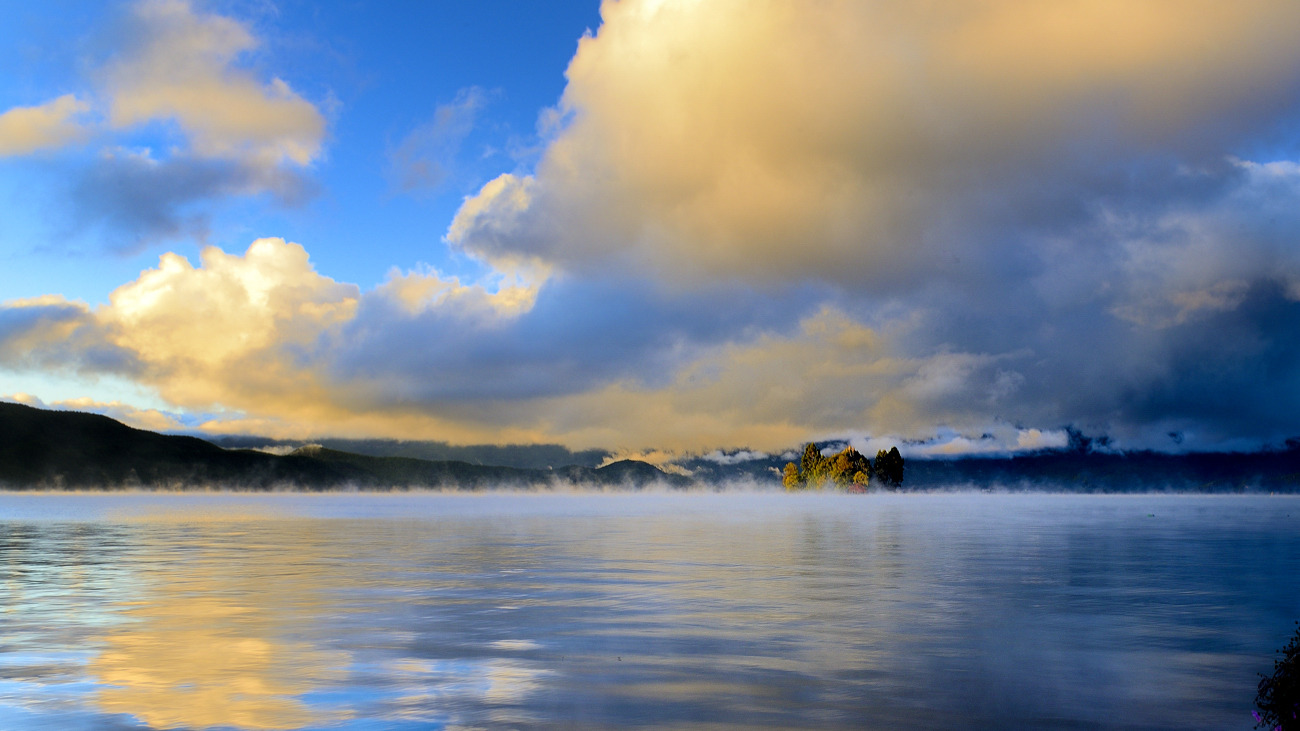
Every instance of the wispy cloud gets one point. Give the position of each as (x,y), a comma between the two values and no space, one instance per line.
(427,156)
(149,419)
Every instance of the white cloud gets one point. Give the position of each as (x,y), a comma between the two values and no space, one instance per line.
(726,458)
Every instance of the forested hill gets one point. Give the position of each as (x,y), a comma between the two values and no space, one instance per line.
(1078,468)
(1089,471)
(42,449)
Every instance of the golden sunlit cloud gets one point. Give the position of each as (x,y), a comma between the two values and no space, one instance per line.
(184,71)
(252,335)
(848,141)
(24,130)
(257,336)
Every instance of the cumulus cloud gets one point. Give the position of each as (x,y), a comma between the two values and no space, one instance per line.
(1003,440)
(259,339)
(24,130)
(276,346)
(182,69)
(270,346)
(863,142)
(235,329)
(1072,207)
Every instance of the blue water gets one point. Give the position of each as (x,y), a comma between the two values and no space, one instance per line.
(727,610)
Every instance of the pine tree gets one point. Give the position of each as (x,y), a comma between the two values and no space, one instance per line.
(889,467)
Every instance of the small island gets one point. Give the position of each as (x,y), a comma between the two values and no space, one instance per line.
(848,470)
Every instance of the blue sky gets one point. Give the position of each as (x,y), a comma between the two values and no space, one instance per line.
(657,227)
(377,75)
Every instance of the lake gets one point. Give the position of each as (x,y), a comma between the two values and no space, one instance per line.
(691,611)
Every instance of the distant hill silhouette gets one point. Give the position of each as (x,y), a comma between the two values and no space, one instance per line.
(1097,471)
(534,456)
(1079,468)
(42,449)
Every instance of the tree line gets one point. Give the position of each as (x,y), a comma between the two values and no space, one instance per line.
(848,469)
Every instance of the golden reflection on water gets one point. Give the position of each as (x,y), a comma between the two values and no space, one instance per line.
(205,643)
(697,611)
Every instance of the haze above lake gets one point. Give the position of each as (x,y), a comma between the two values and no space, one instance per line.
(731,610)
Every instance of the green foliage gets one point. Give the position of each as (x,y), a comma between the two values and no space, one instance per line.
(813,467)
(848,469)
(889,467)
(1279,695)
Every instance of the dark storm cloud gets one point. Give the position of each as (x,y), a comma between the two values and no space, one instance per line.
(580,335)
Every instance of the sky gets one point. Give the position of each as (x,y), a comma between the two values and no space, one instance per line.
(658,227)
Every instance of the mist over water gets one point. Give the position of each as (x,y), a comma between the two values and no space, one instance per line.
(731,610)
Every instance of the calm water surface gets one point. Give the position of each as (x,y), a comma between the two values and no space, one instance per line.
(666,611)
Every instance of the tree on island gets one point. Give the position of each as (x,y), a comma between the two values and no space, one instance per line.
(889,467)
(1279,696)
(847,469)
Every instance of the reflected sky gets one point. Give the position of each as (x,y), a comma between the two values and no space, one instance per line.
(730,610)
(209,636)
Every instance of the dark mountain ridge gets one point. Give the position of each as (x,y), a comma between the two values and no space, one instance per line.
(536,456)
(41,449)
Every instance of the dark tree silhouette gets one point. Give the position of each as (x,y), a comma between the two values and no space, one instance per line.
(889,467)
(1279,695)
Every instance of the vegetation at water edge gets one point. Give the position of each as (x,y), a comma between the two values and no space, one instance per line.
(848,470)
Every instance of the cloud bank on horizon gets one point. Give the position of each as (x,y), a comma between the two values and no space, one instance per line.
(746,224)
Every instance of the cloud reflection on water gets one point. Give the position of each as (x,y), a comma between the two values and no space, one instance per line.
(208,638)
(727,611)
